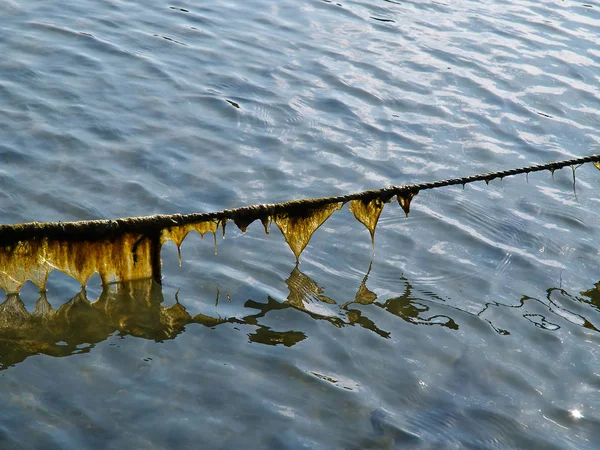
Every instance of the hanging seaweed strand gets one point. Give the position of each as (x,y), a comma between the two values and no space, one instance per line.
(129,248)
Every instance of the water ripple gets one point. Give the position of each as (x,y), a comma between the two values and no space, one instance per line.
(117,109)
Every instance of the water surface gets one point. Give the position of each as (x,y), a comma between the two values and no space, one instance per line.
(474,324)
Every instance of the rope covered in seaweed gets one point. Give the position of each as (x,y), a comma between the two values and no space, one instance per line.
(151,226)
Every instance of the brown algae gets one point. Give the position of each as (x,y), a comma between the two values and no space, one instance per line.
(404,201)
(367,213)
(178,233)
(123,258)
(299,226)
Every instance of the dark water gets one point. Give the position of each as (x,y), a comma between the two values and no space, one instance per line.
(474,325)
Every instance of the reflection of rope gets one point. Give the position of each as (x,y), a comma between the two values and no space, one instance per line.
(152,225)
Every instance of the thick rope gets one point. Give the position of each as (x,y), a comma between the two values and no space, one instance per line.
(151,226)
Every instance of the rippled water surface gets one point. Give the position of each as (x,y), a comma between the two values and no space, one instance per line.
(475,324)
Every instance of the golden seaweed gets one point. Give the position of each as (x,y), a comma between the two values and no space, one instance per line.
(266,221)
(404,201)
(368,214)
(21,262)
(178,233)
(127,257)
(298,229)
(243,222)
(129,248)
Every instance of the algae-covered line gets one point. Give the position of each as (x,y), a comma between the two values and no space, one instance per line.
(153,225)
(129,248)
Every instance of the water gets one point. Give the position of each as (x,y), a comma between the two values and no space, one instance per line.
(474,325)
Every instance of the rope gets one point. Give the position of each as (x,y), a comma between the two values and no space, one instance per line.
(152,225)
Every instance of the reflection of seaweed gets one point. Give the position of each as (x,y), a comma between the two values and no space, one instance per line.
(129,309)
(133,308)
(593,295)
(363,296)
(136,309)
(406,306)
(554,307)
(577,319)
(412,309)
(264,335)
(304,291)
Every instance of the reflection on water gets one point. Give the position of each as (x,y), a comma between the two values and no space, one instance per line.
(105,114)
(592,297)
(556,301)
(132,308)
(406,306)
(136,308)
